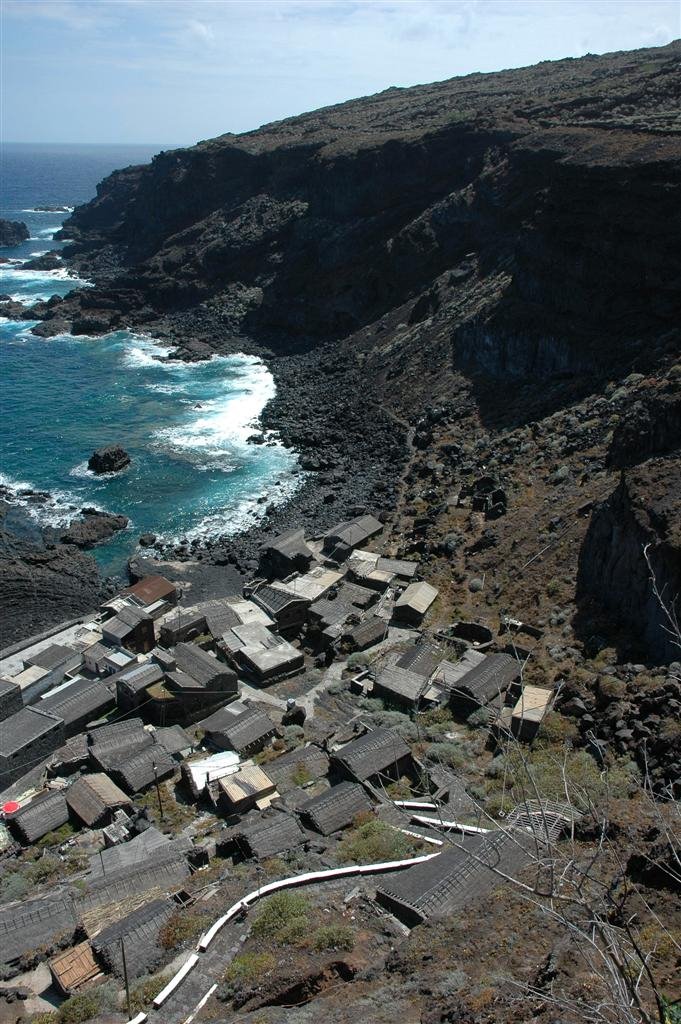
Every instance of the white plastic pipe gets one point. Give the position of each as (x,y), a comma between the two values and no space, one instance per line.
(422,819)
(175,981)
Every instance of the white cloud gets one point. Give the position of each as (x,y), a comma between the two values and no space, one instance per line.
(203,32)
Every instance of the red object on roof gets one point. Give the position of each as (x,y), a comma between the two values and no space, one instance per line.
(10,807)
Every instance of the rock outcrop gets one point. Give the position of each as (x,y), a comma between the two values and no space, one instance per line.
(13,232)
(642,515)
(93,527)
(111,459)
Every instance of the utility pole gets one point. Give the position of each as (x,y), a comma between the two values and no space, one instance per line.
(158,791)
(125,977)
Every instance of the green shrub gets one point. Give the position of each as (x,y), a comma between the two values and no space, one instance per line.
(83,1006)
(300,775)
(333,936)
(145,990)
(276,920)
(248,966)
(13,886)
(374,841)
(452,754)
(181,926)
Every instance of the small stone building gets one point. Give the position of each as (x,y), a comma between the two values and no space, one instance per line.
(25,739)
(336,808)
(43,814)
(248,787)
(379,755)
(94,799)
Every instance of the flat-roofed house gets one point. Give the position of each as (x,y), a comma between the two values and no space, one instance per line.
(530,710)
(288,610)
(484,683)
(181,625)
(79,703)
(272,662)
(10,699)
(413,604)
(379,754)
(25,739)
(131,628)
(43,814)
(246,788)
(284,555)
(57,660)
(313,584)
(336,808)
(341,541)
(94,799)
(246,732)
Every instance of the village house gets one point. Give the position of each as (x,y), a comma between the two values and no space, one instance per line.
(174,740)
(79,702)
(286,554)
(246,788)
(26,738)
(246,732)
(365,634)
(400,686)
(130,628)
(378,755)
(298,767)
(483,683)
(413,604)
(268,836)
(110,744)
(181,626)
(198,774)
(336,808)
(10,699)
(200,680)
(455,878)
(260,654)
(151,591)
(288,611)
(341,541)
(529,711)
(94,799)
(132,684)
(43,814)
(313,585)
(56,660)
(137,771)
(138,931)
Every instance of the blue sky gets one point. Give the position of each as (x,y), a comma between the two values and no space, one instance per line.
(175,71)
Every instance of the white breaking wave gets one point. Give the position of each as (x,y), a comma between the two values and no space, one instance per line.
(32,209)
(224,424)
(81,471)
(145,352)
(57,510)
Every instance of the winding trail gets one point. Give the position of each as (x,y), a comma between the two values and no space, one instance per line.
(193,984)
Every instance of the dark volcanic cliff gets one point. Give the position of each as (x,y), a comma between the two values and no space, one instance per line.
(531,215)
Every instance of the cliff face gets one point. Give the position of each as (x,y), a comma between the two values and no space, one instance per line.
(533,215)
(643,513)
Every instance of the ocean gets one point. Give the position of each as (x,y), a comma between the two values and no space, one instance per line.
(194,472)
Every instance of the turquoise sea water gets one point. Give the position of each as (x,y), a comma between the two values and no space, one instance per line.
(186,426)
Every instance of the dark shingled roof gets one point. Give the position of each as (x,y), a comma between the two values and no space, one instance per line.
(115,860)
(241,731)
(485,681)
(42,815)
(270,836)
(198,664)
(274,600)
(112,747)
(11,700)
(33,923)
(52,657)
(139,677)
(113,731)
(312,758)
(164,869)
(220,616)
(92,797)
(423,658)
(336,808)
(82,700)
(24,727)
(456,877)
(135,772)
(368,633)
(173,739)
(400,684)
(139,930)
(372,753)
